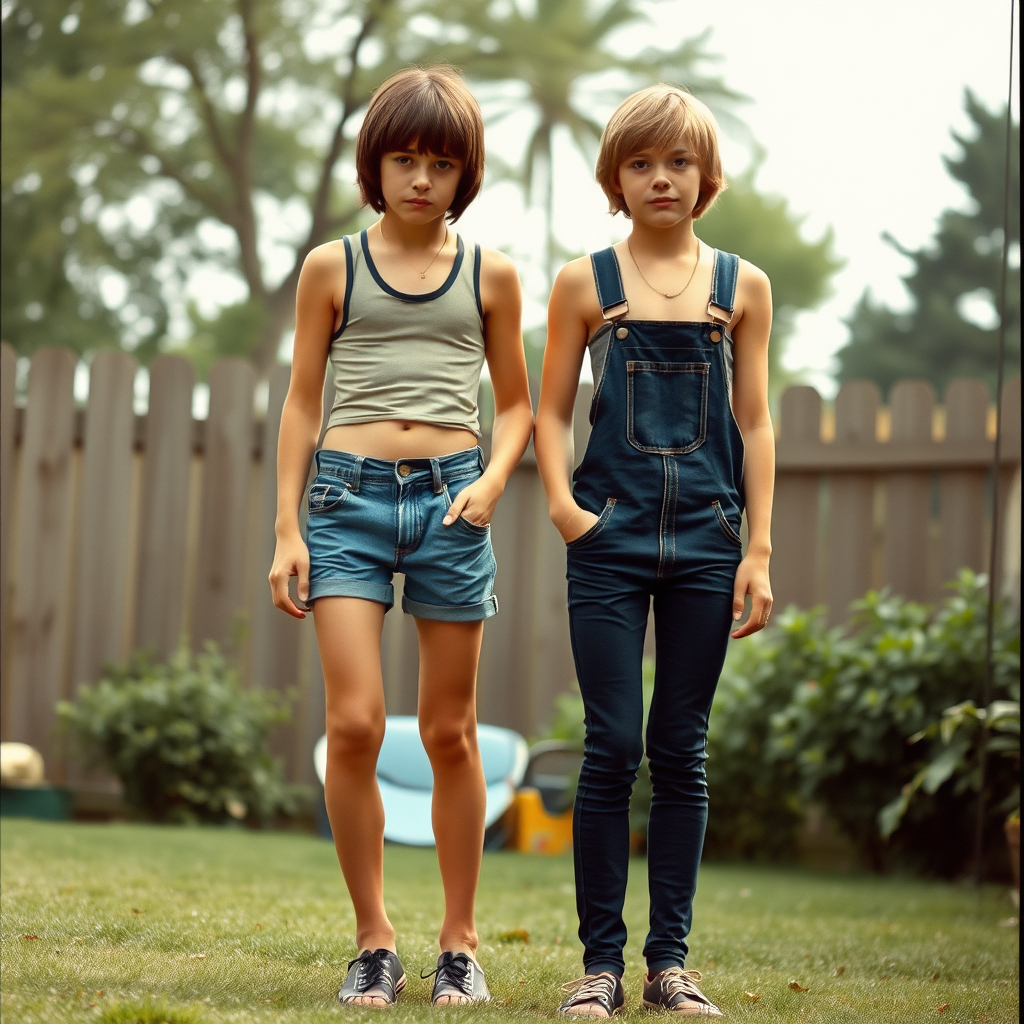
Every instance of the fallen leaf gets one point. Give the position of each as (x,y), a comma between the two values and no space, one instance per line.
(515,935)
(840,970)
(135,910)
(508,1000)
(942,1009)
(752,996)
(934,977)
(522,981)
(260,927)
(797,987)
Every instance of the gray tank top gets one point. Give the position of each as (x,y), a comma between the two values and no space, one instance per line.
(408,357)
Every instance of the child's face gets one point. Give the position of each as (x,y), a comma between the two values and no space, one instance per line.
(419,187)
(660,186)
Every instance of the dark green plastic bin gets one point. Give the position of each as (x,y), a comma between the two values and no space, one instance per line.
(45,803)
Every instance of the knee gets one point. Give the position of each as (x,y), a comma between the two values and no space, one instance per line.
(354,737)
(448,741)
(615,750)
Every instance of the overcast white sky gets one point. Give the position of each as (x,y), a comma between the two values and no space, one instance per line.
(853,103)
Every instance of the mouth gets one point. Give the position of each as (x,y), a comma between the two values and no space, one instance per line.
(418,203)
(663,202)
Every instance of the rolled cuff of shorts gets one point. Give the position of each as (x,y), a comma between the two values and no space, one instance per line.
(340,586)
(452,612)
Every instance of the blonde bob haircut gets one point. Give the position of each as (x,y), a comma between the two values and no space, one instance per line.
(656,118)
(431,110)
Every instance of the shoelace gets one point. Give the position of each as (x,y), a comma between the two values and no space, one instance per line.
(373,969)
(680,982)
(455,973)
(591,987)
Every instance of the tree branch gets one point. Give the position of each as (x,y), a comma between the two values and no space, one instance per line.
(207,109)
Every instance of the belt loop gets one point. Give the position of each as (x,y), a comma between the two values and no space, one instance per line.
(435,475)
(356,473)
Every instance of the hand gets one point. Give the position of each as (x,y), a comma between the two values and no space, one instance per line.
(474,503)
(291,558)
(574,523)
(752,579)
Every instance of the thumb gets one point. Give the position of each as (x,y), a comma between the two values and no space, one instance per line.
(303,587)
(455,509)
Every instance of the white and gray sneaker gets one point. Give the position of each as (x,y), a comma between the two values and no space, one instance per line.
(458,979)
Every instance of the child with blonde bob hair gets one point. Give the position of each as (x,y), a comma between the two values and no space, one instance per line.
(404,314)
(681,444)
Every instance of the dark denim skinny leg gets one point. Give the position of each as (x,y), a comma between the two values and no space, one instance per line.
(607,624)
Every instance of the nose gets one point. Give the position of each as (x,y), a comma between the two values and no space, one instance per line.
(661,183)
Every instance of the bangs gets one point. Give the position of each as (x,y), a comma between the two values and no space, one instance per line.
(426,124)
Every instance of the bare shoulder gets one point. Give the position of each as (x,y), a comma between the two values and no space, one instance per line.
(327,258)
(753,282)
(498,269)
(574,286)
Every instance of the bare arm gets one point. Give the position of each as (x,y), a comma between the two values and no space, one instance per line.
(513,414)
(301,418)
(750,407)
(568,331)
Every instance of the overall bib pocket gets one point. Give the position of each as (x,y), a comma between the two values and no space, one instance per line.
(667,406)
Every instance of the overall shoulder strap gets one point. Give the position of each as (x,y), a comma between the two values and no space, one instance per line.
(610,294)
(723,287)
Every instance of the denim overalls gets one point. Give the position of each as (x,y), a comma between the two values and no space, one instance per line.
(663,469)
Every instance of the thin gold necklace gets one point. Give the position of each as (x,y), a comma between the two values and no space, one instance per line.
(674,295)
(423,272)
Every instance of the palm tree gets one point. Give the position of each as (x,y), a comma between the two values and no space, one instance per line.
(561,51)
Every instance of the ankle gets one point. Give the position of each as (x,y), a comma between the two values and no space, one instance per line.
(376,938)
(459,942)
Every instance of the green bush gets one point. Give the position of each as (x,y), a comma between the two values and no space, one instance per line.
(186,741)
(865,695)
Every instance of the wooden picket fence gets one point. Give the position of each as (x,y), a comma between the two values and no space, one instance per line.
(122,531)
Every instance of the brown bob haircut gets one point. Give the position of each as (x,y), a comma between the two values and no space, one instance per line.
(432,110)
(656,118)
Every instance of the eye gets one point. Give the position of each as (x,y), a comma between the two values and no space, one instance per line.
(639,165)
(681,162)
(403,160)
(444,165)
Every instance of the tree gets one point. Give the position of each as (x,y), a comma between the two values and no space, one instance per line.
(162,134)
(762,228)
(560,49)
(950,330)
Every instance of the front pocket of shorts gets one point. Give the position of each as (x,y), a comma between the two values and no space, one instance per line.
(726,525)
(324,496)
(477,531)
(667,406)
(602,522)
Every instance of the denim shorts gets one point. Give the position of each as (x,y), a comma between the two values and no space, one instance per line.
(369,519)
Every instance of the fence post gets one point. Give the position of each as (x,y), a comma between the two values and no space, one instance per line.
(163,509)
(220,580)
(908,494)
(851,502)
(104,518)
(41,556)
(962,491)
(795,516)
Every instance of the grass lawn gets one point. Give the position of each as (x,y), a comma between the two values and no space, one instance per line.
(219,925)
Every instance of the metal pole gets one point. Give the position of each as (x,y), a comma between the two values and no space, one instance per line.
(986,697)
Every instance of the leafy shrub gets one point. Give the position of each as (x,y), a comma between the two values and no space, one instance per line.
(866,694)
(186,741)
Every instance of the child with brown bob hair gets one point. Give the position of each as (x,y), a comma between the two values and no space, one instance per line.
(681,443)
(405,312)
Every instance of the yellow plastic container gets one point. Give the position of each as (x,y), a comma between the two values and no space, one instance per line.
(536,831)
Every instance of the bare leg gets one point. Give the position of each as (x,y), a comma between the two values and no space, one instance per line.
(449,652)
(348,632)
